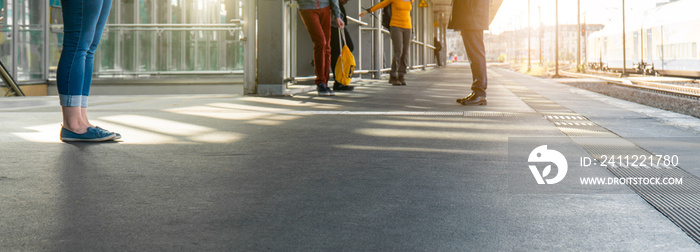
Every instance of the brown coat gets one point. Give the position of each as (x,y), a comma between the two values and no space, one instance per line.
(470,15)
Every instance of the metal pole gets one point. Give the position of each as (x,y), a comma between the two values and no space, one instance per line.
(154,37)
(287,50)
(624,42)
(585,40)
(556,41)
(294,37)
(529,28)
(378,45)
(424,16)
(47,32)
(250,71)
(443,38)
(539,13)
(14,63)
(136,60)
(169,39)
(578,54)
(358,61)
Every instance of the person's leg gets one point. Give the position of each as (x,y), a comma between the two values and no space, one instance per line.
(90,57)
(73,120)
(326,27)
(474,45)
(80,17)
(312,21)
(403,59)
(397,44)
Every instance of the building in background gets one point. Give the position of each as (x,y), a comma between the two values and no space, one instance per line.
(512,45)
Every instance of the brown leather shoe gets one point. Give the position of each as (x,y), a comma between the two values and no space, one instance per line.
(465,98)
(475,100)
(401,81)
(392,79)
(395,81)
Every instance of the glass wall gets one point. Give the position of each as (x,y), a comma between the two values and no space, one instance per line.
(143,38)
(168,37)
(6,34)
(30,40)
(22,39)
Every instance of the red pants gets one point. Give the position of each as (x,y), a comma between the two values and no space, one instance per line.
(318,24)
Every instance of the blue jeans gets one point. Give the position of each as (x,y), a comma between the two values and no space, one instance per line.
(84,22)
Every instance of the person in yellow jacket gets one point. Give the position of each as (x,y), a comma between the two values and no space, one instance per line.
(400,28)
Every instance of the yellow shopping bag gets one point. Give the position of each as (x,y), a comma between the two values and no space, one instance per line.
(345,66)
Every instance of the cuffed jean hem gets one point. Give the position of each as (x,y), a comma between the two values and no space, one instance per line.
(73,100)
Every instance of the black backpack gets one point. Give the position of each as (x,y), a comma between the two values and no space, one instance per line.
(386,16)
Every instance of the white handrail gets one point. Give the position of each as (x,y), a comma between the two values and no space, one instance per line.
(358,21)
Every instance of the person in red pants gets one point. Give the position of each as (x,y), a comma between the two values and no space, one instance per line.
(316,15)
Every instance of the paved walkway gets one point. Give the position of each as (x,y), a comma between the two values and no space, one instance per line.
(380,169)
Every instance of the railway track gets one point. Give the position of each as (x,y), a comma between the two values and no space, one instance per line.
(657,86)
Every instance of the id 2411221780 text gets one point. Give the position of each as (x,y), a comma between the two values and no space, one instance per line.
(630,160)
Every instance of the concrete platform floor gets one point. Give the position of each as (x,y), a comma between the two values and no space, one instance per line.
(380,169)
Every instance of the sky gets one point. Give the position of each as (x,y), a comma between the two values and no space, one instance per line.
(513,13)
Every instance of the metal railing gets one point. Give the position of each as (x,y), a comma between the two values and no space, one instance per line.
(236,26)
(115,73)
(368,27)
(171,63)
(13,88)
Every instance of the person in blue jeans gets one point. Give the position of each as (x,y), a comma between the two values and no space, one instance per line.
(84,22)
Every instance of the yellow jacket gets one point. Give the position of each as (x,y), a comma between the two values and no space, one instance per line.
(400,12)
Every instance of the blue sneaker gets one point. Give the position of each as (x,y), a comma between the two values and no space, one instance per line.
(116,135)
(92,135)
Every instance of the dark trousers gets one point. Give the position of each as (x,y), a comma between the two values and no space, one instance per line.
(474,45)
(401,41)
(318,24)
(337,47)
(437,58)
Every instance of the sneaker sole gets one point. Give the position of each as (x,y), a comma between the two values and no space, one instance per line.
(475,104)
(103,139)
